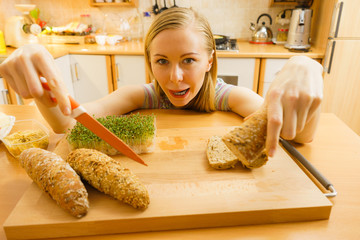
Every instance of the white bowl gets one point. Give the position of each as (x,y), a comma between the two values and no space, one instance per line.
(100,39)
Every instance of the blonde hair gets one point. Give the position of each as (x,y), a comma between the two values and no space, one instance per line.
(179,18)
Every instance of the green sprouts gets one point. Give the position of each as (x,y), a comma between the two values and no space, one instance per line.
(133,129)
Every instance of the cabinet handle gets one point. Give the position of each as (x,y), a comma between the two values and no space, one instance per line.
(117,72)
(329,56)
(76,72)
(336,17)
(5,96)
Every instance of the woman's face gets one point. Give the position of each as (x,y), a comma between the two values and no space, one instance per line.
(179,62)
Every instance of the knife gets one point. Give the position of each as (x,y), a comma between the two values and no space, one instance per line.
(80,114)
(322,179)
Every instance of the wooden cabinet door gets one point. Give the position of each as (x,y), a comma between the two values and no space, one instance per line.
(90,77)
(129,70)
(341,82)
(239,71)
(346,19)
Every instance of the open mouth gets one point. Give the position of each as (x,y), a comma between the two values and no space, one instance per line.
(179,93)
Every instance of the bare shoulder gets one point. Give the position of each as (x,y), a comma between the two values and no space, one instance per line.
(244,101)
(121,101)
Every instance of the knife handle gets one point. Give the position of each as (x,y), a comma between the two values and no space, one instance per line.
(75,106)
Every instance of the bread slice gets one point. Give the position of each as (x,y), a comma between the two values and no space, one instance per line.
(247,142)
(218,154)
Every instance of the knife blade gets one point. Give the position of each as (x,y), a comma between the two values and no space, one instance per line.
(80,114)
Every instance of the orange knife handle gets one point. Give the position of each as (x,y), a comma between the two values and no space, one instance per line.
(74,103)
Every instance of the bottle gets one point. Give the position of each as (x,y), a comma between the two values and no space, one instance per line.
(2,43)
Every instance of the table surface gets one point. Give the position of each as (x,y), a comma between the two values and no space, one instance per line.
(335,152)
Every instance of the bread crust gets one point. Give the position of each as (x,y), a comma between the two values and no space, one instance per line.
(247,141)
(55,177)
(108,176)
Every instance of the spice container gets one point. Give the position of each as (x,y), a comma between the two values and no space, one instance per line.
(26,134)
(281,36)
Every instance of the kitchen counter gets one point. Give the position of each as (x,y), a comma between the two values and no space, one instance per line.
(246,50)
(335,152)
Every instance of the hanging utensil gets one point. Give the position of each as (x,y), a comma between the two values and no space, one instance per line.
(156,8)
(164,8)
(174,4)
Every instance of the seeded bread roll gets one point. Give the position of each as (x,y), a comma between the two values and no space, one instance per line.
(55,177)
(106,175)
(219,155)
(247,141)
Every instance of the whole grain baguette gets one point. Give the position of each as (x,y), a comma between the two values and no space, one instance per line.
(219,155)
(247,141)
(55,177)
(108,176)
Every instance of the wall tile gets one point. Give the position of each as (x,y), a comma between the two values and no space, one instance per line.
(229,17)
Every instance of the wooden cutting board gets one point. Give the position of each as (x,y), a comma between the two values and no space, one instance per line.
(185,192)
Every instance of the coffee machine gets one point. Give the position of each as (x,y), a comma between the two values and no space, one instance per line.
(20,30)
(299,30)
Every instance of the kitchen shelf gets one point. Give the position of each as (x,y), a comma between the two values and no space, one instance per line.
(132,3)
(283,2)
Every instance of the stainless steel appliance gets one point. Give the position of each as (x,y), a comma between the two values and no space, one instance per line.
(225,43)
(261,34)
(299,32)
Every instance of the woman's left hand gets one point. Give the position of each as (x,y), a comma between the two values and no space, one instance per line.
(293,102)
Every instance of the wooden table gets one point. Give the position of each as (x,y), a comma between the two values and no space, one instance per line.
(335,152)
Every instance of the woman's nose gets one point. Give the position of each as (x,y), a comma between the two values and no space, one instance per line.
(176,74)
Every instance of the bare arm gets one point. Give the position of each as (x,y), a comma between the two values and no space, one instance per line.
(22,70)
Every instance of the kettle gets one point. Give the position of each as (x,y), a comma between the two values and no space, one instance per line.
(262,34)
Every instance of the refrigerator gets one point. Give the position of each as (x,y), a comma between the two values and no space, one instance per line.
(342,64)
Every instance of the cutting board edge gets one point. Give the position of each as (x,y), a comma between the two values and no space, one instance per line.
(180,222)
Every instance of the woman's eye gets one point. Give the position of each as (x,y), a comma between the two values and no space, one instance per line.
(162,61)
(188,60)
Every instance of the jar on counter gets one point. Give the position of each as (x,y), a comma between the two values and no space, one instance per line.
(86,20)
(281,36)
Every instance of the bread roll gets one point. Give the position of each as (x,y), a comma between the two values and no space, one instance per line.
(247,141)
(219,155)
(55,177)
(106,175)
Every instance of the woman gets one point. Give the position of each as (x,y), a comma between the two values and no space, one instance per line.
(181,59)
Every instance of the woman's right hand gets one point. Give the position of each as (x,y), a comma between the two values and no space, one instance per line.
(22,71)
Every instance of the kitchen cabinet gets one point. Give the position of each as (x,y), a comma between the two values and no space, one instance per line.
(130,3)
(342,85)
(341,64)
(4,98)
(63,64)
(282,2)
(269,68)
(91,77)
(239,71)
(128,70)
(345,19)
